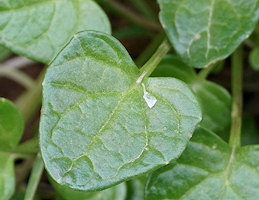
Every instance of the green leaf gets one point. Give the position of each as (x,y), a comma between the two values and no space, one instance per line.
(11,129)
(215,101)
(39,29)
(207,170)
(205,31)
(254,58)
(100,126)
(115,193)
(11,125)
(7,180)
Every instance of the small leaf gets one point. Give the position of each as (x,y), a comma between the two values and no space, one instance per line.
(11,129)
(207,170)
(204,32)
(215,101)
(254,59)
(39,29)
(114,193)
(7,180)
(11,125)
(97,128)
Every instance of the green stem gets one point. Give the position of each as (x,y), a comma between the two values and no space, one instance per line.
(22,155)
(31,100)
(19,155)
(144,8)
(22,171)
(131,16)
(152,63)
(34,178)
(236,115)
(150,49)
(17,76)
(204,73)
(29,147)
(25,150)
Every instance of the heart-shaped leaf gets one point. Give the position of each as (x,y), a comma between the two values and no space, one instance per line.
(39,29)
(207,170)
(11,125)
(117,192)
(204,32)
(215,101)
(100,125)
(7,181)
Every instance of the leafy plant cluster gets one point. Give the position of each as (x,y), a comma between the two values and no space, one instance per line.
(112,130)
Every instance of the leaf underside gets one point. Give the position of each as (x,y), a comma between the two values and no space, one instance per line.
(208,169)
(99,127)
(205,31)
(39,29)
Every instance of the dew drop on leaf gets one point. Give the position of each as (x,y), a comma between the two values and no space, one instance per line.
(150,100)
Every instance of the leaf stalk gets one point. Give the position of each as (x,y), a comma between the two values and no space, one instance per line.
(152,63)
(237,101)
(34,178)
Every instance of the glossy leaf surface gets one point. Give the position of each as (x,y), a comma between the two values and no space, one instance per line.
(207,170)
(114,193)
(205,31)
(7,181)
(100,126)
(39,29)
(11,125)
(214,100)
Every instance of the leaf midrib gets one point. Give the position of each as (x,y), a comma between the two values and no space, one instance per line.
(225,173)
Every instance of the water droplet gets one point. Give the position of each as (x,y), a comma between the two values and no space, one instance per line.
(197,36)
(214,146)
(150,100)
